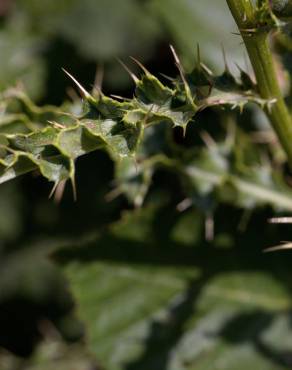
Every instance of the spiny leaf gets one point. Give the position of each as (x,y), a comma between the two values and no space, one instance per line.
(51,140)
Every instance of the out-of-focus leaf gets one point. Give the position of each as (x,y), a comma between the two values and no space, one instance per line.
(51,354)
(10,212)
(149,306)
(226,169)
(231,171)
(22,61)
(282,8)
(106,25)
(208,24)
(33,291)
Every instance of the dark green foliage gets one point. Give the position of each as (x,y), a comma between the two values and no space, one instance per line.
(158,265)
(186,304)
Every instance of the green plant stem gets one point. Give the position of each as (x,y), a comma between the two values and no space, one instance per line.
(256,42)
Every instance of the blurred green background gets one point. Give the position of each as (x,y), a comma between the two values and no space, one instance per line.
(96,284)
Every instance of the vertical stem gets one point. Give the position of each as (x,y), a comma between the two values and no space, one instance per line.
(256,43)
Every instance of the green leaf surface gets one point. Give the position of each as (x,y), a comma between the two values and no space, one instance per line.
(51,354)
(106,25)
(51,140)
(21,62)
(178,306)
(208,24)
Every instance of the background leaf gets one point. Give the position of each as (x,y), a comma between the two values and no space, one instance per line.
(149,305)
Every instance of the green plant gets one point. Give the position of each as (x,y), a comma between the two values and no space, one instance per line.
(156,133)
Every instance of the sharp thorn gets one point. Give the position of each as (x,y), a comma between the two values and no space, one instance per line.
(144,69)
(81,88)
(132,75)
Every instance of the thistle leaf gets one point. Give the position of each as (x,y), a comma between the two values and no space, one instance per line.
(50,139)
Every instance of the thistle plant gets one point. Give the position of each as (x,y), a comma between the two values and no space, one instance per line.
(152,289)
(51,139)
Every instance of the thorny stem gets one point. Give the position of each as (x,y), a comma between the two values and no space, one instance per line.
(256,43)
